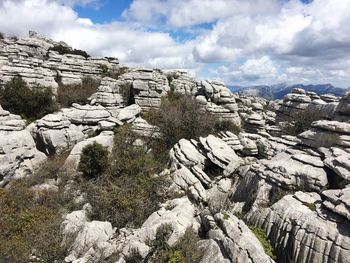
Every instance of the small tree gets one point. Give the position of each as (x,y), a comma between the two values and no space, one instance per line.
(93,160)
(30,103)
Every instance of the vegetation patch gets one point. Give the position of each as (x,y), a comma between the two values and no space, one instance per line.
(181,117)
(30,224)
(265,242)
(62,50)
(76,93)
(185,250)
(31,103)
(93,160)
(303,120)
(128,192)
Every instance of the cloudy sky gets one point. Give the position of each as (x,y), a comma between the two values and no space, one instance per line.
(243,42)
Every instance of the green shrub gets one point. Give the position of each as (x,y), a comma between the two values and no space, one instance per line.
(76,93)
(128,192)
(311,206)
(30,224)
(93,160)
(262,237)
(62,50)
(134,257)
(31,104)
(104,70)
(180,117)
(2,35)
(226,125)
(302,121)
(185,250)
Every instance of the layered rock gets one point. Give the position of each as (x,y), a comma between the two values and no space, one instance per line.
(31,59)
(327,134)
(293,103)
(18,153)
(148,86)
(195,166)
(86,114)
(87,241)
(54,133)
(179,213)
(110,93)
(301,230)
(254,123)
(235,240)
(338,162)
(183,83)
(338,201)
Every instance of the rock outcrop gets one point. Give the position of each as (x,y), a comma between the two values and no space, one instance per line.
(31,58)
(18,153)
(301,230)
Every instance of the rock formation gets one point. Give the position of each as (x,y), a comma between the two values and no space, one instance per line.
(294,189)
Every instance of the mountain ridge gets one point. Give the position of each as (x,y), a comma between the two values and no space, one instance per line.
(278,91)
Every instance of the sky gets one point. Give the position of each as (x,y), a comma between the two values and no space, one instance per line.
(242,42)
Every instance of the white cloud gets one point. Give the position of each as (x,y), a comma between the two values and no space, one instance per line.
(260,70)
(185,13)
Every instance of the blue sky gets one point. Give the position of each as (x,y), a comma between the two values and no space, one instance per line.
(242,42)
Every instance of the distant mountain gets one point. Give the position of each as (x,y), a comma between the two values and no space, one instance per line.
(280,90)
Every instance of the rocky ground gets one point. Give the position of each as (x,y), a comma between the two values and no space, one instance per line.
(294,188)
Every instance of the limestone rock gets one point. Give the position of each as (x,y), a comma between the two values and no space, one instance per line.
(327,134)
(86,114)
(18,153)
(129,113)
(299,228)
(338,201)
(237,242)
(87,241)
(339,162)
(54,133)
(109,93)
(220,154)
(179,213)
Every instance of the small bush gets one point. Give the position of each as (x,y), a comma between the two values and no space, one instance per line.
(302,122)
(117,72)
(226,125)
(50,169)
(2,35)
(128,192)
(31,104)
(104,70)
(185,250)
(134,257)
(180,117)
(311,206)
(76,93)
(93,160)
(261,236)
(62,50)
(126,92)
